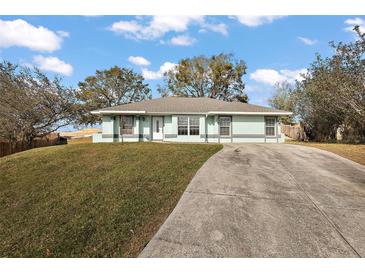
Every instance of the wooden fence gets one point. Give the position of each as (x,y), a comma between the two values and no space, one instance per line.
(296,132)
(54,139)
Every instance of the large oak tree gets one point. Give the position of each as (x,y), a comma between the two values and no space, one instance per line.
(218,77)
(109,88)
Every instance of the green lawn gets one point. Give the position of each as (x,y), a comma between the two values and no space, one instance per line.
(91,200)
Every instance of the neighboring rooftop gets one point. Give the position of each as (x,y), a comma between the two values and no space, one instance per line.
(181,105)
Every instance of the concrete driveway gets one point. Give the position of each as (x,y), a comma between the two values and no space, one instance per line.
(268,200)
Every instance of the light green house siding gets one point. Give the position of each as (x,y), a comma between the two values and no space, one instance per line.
(108,125)
(248,128)
(212,128)
(170,128)
(248,125)
(107,131)
(145,128)
(244,128)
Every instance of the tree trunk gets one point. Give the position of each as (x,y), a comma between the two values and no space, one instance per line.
(12,144)
(29,142)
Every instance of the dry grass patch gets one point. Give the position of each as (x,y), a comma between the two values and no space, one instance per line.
(355,153)
(85,140)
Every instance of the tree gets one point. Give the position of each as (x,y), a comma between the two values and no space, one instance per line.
(283,98)
(218,77)
(109,88)
(31,104)
(332,94)
(9,128)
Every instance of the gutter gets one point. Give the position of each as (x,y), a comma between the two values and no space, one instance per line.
(187,113)
(118,111)
(248,113)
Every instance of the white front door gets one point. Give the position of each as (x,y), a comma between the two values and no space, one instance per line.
(157,124)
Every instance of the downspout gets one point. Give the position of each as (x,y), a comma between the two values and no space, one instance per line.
(138,126)
(206,128)
(276,129)
(232,129)
(163,128)
(219,133)
(151,129)
(120,129)
(265,129)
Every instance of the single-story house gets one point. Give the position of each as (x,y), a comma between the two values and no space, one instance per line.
(188,119)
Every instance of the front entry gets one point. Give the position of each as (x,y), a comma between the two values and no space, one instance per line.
(157,123)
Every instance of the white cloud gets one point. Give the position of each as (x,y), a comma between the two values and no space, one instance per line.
(308,41)
(271,76)
(155,75)
(351,22)
(292,75)
(126,27)
(52,64)
(63,33)
(22,34)
(139,60)
(164,24)
(182,40)
(157,26)
(254,21)
(267,76)
(220,28)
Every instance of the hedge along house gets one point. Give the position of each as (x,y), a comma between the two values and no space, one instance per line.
(188,119)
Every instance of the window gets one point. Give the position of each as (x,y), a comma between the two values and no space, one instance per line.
(157,126)
(270,126)
(225,126)
(126,124)
(182,125)
(194,125)
(188,125)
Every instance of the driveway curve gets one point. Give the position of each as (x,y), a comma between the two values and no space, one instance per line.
(268,200)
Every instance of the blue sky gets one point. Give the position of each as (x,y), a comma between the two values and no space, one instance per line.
(274,48)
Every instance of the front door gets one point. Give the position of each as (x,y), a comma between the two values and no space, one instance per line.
(157,124)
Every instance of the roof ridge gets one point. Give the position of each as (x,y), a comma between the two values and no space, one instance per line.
(182,104)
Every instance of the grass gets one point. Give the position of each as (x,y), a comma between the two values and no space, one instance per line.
(92,200)
(355,153)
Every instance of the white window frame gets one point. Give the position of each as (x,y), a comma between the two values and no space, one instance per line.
(194,126)
(229,128)
(188,126)
(270,126)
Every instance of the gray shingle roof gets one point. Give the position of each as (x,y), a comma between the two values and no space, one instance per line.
(180,105)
